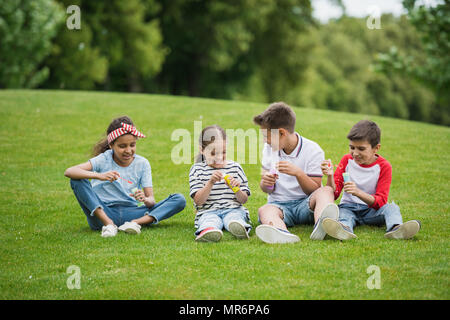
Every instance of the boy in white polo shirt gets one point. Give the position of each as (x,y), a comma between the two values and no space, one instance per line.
(365,177)
(292,178)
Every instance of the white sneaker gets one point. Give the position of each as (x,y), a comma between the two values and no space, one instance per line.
(109,231)
(330,211)
(130,227)
(337,230)
(269,234)
(406,230)
(210,234)
(238,230)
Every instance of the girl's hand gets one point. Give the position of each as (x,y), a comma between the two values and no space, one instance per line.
(350,187)
(287,168)
(139,195)
(109,176)
(234,182)
(327,167)
(216,176)
(268,180)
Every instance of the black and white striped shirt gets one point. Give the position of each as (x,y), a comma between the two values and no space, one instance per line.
(221,196)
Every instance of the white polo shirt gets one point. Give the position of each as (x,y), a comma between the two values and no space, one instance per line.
(307,155)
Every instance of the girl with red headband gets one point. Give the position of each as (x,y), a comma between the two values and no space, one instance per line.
(116,171)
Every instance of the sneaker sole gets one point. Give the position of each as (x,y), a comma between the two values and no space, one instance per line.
(238,230)
(405,231)
(269,234)
(330,211)
(129,230)
(335,230)
(210,236)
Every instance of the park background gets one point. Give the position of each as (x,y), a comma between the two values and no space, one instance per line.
(167,64)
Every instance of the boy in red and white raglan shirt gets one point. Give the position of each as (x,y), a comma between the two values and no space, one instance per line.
(365,177)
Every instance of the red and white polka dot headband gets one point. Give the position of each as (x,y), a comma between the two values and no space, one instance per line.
(126,128)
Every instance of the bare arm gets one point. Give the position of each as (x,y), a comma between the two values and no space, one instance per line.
(202,195)
(81,171)
(307,183)
(84,171)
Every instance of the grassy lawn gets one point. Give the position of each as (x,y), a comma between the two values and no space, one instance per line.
(44,231)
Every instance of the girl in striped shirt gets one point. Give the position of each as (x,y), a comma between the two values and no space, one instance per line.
(216,203)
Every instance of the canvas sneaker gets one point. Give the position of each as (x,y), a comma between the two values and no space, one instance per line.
(330,211)
(337,230)
(238,230)
(210,234)
(406,230)
(270,234)
(109,231)
(130,227)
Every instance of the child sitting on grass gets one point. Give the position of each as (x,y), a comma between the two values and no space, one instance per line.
(217,204)
(366,193)
(116,170)
(292,179)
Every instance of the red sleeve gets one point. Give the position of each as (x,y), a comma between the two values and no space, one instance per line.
(383,185)
(338,178)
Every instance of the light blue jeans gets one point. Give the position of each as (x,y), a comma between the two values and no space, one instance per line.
(295,211)
(221,218)
(119,214)
(353,214)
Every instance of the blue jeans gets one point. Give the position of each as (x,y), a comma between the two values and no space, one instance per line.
(119,214)
(295,211)
(221,218)
(352,214)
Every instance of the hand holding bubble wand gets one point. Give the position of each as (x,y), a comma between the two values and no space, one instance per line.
(274,159)
(139,203)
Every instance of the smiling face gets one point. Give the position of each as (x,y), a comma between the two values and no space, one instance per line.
(216,153)
(362,151)
(124,149)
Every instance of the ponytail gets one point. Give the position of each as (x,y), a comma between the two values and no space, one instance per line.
(199,158)
(100,147)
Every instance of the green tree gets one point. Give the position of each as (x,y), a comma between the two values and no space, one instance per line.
(26,31)
(433,26)
(118,47)
(216,47)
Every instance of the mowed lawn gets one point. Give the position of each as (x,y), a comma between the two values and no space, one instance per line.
(44,231)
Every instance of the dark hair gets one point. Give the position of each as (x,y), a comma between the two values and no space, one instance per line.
(277,115)
(103,144)
(365,130)
(208,136)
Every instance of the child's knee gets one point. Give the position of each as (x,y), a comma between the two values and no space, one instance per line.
(390,206)
(268,211)
(180,200)
(324,191)
(77,183)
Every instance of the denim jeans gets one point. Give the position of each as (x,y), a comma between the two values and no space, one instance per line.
(221,218)
(295,211)
(353,214)
(119,214)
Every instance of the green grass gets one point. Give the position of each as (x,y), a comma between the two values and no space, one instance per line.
(44,230)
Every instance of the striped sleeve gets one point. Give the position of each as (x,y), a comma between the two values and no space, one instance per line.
(195,182)
(243,179)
